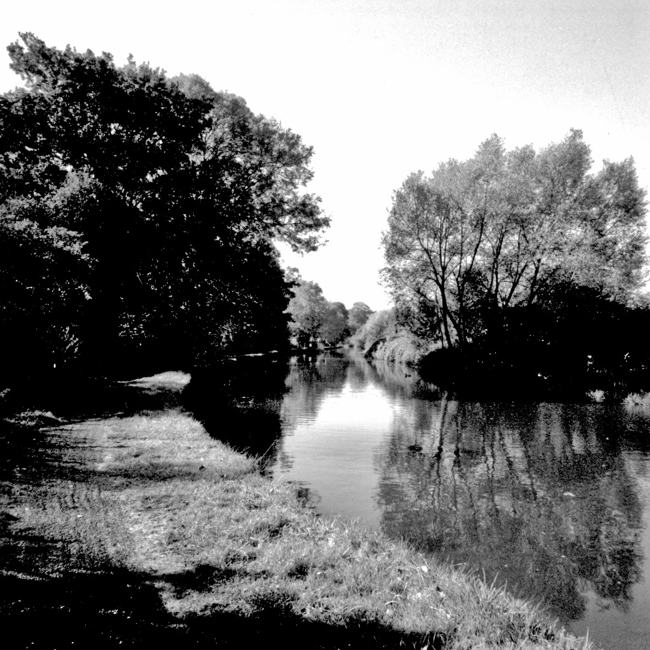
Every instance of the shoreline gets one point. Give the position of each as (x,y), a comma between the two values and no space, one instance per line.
(221,555)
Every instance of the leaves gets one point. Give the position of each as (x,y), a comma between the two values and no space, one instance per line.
(176,193)
(490,233)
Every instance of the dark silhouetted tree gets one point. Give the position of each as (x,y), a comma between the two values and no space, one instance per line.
(175,194)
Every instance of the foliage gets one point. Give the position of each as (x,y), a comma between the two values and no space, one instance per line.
(497,231)
(334,327)
(174,192)
(403,348)
(307,309)
(43,274)
(359,314)
(378,326)
(384,337)
(571,341)
(315,320)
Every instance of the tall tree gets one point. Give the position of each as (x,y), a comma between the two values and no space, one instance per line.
(176,193)
(480,236)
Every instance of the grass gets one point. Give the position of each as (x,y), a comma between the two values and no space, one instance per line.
(596,396)
(235,556)
(637,402)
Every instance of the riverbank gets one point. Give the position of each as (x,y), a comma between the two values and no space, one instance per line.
(121,529)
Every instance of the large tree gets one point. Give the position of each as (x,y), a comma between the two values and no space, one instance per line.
(496,231)
(173,192)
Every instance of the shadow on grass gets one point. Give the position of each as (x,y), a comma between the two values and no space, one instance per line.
(72,401)
(56,594)
(121,609)
(49,599)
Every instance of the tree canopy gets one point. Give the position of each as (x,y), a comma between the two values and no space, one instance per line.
(478,237)
(157,202)
(358,315)
(314,319)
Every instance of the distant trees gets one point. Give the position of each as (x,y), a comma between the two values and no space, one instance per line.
(307,310)
(495,232)
(379,325)
(314,319)
(148,207)
(335,324)
(359,314)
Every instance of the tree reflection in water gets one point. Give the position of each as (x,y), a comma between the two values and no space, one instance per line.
(310,380)
(535,495)
(541,496)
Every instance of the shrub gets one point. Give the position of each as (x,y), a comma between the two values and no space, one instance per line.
(380,325)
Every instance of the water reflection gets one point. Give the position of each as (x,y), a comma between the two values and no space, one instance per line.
(309,382)
(239,403)
(534,495)
(547,498)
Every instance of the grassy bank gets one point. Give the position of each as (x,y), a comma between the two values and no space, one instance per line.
(172,535)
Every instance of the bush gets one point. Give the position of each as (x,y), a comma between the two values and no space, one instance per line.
(379,326)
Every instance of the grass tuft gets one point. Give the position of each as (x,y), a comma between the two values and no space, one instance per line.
(636,402)
(597,396)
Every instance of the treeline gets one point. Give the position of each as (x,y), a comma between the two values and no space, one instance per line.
(138,215)
(524,271)
(315,321)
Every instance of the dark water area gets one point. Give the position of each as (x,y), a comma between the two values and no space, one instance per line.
(552,500)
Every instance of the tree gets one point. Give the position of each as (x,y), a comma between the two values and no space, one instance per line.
(380,325)
(334,327)
(44,277)
(358,315)
(307,310)
(481,236)
(176,192)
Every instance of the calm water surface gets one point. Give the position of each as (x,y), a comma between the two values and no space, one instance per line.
(553,499)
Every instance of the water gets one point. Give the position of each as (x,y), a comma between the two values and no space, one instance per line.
(552,499)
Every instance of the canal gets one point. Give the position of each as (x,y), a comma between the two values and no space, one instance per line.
(552,500)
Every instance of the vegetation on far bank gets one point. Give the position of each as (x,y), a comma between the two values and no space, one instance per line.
(525,270)
(233,555)
(316,322)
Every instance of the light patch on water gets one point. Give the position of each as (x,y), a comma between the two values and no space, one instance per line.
(332,450)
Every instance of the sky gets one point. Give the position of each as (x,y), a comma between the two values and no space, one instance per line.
(384,88)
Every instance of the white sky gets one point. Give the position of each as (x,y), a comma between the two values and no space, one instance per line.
(382,88)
